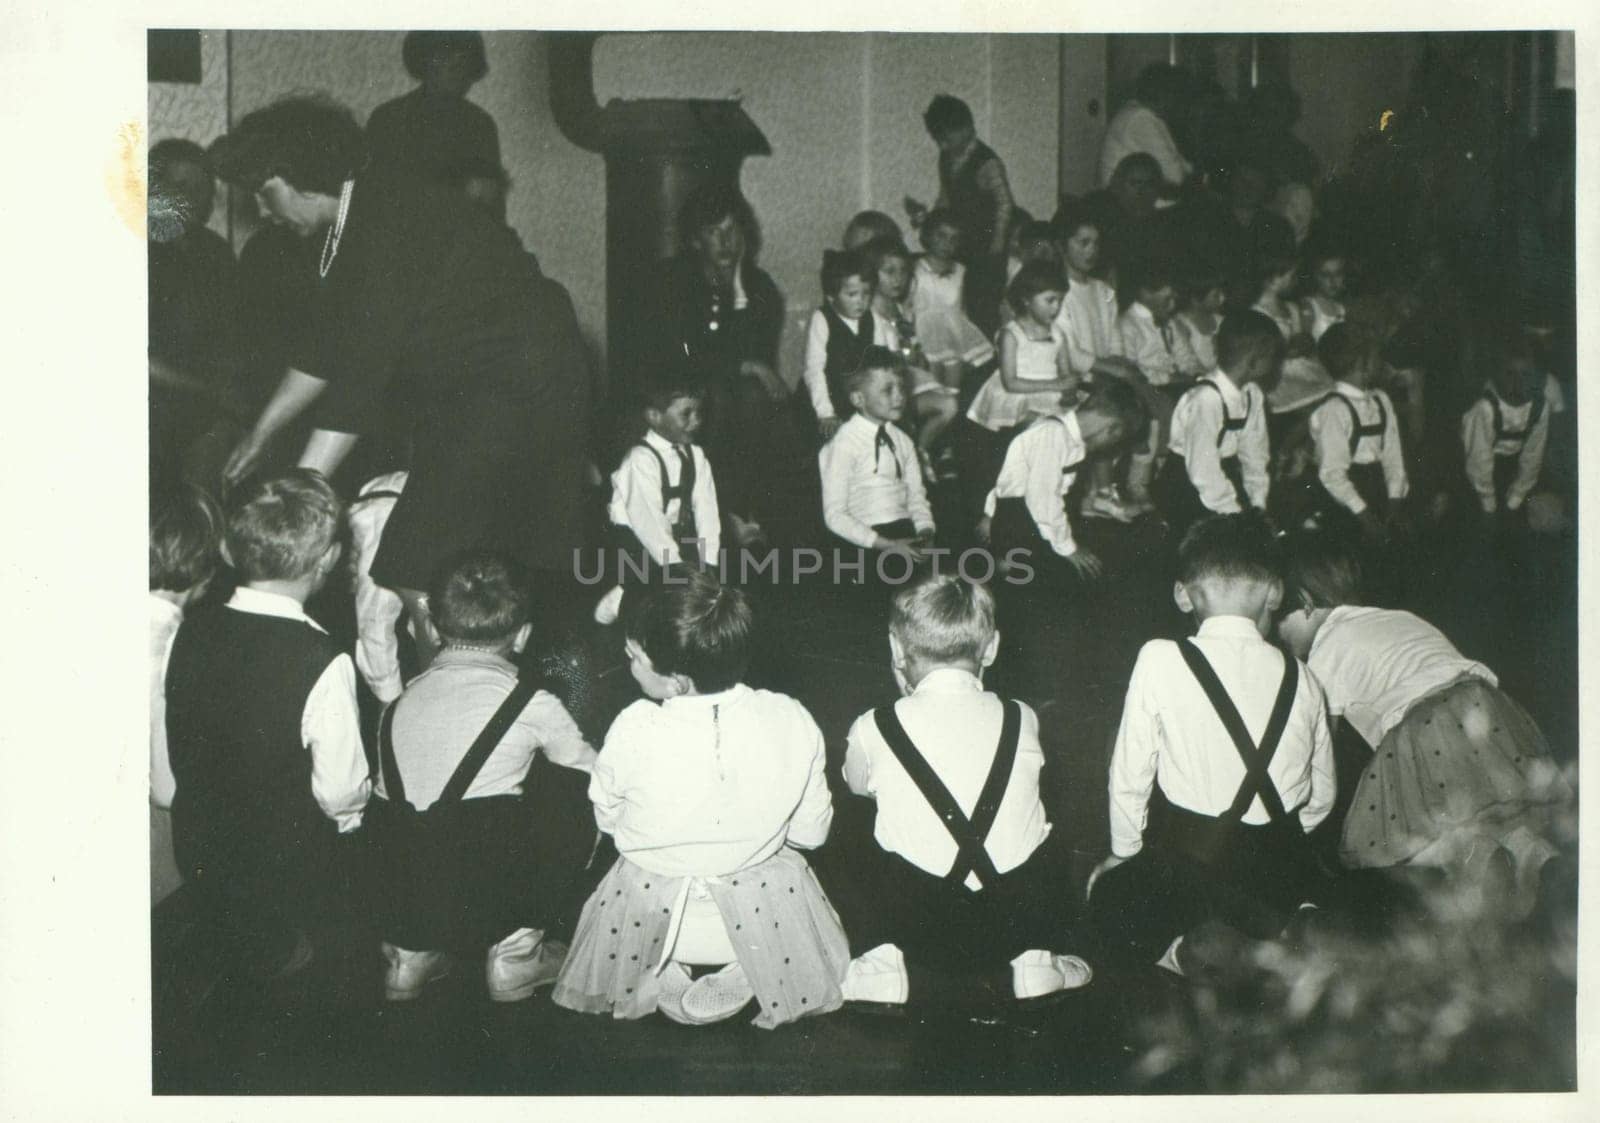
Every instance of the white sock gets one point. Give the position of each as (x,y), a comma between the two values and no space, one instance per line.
(878,975)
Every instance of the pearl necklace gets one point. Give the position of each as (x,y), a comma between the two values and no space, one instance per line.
(330,244)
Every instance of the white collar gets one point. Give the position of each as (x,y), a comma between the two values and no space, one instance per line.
(661,444)
(1220,377)
(258,603)
(1139,311)
(1350,391)
(869,427)
(162,608)
(948,680)
(1237,627)
(721,697)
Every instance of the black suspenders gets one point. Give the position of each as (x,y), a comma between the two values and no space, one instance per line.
(685,526)
(1256,757)
(1229,424)
(1501,433)
(471,763)
(970,834)
(1358,430)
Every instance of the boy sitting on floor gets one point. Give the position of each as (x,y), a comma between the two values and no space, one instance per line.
(968,881)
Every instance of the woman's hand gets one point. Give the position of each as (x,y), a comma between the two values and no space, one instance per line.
(775,386)
(245,458)
(827,427)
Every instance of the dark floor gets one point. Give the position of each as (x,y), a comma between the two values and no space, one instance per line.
(329,1031)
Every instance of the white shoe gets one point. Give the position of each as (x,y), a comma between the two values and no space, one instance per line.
(713,998)
(609,608)
(410,971)
(522,963)
(674,980)
(1036,973)
(1104,504)
(878,975)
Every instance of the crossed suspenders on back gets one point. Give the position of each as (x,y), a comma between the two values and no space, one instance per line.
(1256,757)
(1358,429)
(1229,424)
(970,834)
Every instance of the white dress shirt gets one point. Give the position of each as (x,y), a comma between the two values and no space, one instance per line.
(955,725)
(862,486)
(330,727)
(706,785)
(1088,318)
(1196,421)
(1331,427)
(1171,733)
(1477,438)
(1376,663)
(1137,128)
(1202,343)
(1041,463)
(444,709)
(636,500)
(378,608)
(165,618)
(1161,351)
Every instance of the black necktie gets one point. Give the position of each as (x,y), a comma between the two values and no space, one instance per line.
(883,442)
(685,474)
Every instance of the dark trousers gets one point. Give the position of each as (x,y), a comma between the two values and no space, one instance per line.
(473,872)
(1178,500)
(1194,869)
(947,929)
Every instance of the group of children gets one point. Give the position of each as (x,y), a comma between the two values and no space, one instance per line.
(471,831)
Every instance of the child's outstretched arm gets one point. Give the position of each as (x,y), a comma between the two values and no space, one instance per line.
(1530,461)
(330,728)
(1323,784)
(1255,453)
(814,374)
(1330,431)
(1133,759)
(1393,454)
(1477,441)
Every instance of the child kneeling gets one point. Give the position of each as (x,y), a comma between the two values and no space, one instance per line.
(707,787)
(1223,763)
(474,845)
(969,881)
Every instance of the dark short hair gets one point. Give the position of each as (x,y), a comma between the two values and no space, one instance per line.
(313,143)
(479,595)
(1229,547)
(422,50)
(1032,279)
(945,114)
(1135,160)
(1343,347)
(279,528)
(838,266)
(940,216)
(1160,82)
(876,224)
(1200,278)
(695,626)
(1321,568)
(1117,399)
(1073,217)
(1035,230)
(711,205)
(873,358)
(943,618)
(669,385)
(185,539)
(174,150)
(880,250)
(1245,334)
(1148,273)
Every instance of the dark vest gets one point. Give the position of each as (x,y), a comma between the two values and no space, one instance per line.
(972,206)
(846,349)
(237,686)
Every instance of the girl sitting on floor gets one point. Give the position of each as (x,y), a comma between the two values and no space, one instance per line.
(707,787)
(1461,778)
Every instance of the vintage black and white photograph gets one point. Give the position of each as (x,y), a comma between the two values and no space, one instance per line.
(778,563)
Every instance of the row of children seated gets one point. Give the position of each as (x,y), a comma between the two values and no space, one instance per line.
(472,834)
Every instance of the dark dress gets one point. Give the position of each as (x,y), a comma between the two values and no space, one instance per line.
(192,310)
(431,299)
(434,134)
(974,209)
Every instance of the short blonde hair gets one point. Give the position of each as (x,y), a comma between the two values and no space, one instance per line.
(943,618)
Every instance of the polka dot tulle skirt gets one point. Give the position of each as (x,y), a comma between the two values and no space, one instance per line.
(1466,758)
(779,921)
